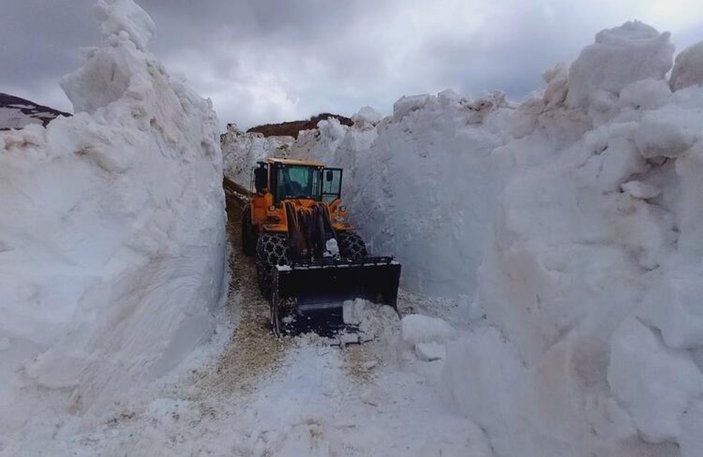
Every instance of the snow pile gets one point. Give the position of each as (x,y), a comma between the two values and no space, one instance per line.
(592,273)
(367,115)
(241,151)
(111,234)
(372,322)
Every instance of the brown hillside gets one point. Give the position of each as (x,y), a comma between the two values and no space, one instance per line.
(294,127)
(18,109)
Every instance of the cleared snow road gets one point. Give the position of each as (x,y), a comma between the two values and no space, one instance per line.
(248,394)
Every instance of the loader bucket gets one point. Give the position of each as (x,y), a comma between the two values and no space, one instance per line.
(308,296)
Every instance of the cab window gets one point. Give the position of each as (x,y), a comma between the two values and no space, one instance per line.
(297,182)
(331,184)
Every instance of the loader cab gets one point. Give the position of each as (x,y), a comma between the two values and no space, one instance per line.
(297,179)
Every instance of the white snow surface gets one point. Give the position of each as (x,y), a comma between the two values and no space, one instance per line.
(619,56)
(575,220)
(111,236)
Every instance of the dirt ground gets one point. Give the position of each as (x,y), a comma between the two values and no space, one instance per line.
(253,350)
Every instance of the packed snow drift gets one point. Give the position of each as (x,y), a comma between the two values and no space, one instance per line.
(566,229)
(111,234)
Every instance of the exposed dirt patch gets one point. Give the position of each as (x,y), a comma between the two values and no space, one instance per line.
(360,361)
(29,109)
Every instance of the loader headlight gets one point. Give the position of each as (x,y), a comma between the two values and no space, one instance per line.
(272,208)
(342,208)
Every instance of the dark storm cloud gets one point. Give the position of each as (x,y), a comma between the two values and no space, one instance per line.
(272,60)
(40,40)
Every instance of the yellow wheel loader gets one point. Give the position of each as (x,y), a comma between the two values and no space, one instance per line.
(309,259)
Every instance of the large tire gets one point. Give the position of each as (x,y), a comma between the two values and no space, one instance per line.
(271,250)
(351,246)
(249,235)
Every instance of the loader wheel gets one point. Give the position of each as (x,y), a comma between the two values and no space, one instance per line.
(351,246)
(271,250)
(249,235)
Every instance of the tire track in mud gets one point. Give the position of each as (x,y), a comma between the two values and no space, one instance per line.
(253,351)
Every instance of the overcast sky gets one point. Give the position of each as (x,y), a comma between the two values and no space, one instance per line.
(274,60)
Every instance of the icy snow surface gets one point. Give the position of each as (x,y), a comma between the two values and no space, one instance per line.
(575,222)
(111,236)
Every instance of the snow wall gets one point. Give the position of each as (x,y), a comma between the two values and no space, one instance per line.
(574,219)
(111,232)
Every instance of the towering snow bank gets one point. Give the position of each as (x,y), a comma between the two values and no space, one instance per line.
(592,273)
(111,233)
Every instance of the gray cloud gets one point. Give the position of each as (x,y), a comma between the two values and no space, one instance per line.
(271,60)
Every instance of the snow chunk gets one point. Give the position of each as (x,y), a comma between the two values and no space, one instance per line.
(331,248)
(619,56)
(479,109)
(406,104)
(430,351)
(416,328)
(653,383)
(557,79)
(353,311)
(662,138)
(448,98)
(688,68)
(645,94)
(125,19)
(367,115)
(639,189)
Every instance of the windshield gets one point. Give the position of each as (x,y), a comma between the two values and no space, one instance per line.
(298,182)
